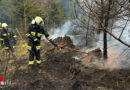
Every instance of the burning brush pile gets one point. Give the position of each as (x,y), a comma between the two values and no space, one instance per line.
(64,41)
(65,44)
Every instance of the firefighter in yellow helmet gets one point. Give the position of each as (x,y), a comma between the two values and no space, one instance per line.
(0,26)
(7,37)
(34,33)
(0,31)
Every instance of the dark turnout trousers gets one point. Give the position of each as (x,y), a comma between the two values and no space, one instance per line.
(34,52)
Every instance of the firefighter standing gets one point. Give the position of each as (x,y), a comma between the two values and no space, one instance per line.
(7,37)
(34,33)
(0,26)
(0,29)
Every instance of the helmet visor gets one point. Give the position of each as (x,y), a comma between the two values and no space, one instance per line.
(41,23)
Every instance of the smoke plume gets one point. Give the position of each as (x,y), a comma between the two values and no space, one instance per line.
(118,54)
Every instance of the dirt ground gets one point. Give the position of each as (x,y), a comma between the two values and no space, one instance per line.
(62,72)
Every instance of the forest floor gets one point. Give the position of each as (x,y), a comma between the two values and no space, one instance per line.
(61,71)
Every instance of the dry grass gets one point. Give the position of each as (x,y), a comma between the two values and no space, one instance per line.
(21,49)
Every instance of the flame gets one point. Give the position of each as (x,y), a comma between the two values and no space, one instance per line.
(61,43)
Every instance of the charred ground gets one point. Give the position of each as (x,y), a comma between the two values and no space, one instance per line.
(61,71)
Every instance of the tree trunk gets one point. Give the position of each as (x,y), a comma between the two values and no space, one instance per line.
(87,31)
(105,45)
(101,16)
(106,25)
(25,19)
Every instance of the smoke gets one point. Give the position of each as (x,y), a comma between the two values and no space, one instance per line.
(123,58)
(76,33)
(118,60)
(118,54)
(61,31)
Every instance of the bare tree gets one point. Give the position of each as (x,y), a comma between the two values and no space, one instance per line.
(25,18)
(103,15)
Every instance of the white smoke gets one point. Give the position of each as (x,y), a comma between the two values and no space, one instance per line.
(118,53)
(121,58)
(61,31)
(76,34)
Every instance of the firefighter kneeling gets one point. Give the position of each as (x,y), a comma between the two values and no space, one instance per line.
(7,37)
(34,33)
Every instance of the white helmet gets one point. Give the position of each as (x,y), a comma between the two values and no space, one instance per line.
(33,21)
(4,25)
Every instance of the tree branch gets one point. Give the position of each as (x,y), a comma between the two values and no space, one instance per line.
(107,30)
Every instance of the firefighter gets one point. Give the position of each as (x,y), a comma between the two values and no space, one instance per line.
(7,37)
(0,26)
(34,33)
(0,32)
(0,29)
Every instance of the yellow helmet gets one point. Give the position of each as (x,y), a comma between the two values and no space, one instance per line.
(39,20)
(4,25)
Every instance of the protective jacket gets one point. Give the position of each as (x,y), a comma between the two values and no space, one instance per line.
(0,27)
(8,38)
(35,33)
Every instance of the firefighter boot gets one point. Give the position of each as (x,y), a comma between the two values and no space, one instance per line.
(31,63)
(39,63)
